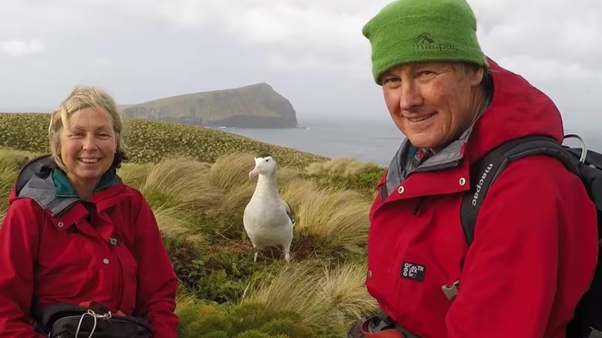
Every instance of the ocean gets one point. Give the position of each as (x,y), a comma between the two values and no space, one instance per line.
(366,141)
(375,142)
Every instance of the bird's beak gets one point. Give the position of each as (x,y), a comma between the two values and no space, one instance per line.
(253,173)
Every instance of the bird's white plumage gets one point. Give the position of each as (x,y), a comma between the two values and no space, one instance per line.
(268,219)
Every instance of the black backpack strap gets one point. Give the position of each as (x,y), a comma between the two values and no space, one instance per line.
(486,170)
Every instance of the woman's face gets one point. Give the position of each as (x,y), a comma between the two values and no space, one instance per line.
(88,146)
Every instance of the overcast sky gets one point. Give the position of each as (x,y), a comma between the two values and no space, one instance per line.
(310,51)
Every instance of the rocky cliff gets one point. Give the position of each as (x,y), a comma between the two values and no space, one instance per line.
(254,106)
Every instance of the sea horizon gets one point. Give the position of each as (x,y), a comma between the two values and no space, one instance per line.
(372,141)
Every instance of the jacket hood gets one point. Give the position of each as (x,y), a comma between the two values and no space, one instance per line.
(517,109)
(36,181)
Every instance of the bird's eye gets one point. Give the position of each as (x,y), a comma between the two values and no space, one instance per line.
(267,160)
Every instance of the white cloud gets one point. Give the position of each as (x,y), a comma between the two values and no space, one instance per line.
(19,47)
(567,30)
(322,35)
(549,69)
(42,16)
(326,35)
(311,35)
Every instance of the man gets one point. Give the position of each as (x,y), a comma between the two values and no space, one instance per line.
(535,242)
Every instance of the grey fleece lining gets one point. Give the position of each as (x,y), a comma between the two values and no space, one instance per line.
(42,191)
(450,154)
(30,184)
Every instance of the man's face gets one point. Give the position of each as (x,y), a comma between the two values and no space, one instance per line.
(431,102)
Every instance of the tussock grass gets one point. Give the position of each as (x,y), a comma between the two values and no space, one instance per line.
(287,176)
(326,298)
(236,199)
(8,176)
(346,173)
(180,182)
(11,162)
(339,218)
(7,179)
(344,166)
(230,174)
(134,174)
(231,171)
(173,223)
(297,192)
(345,289)
(14,159)
(294,289)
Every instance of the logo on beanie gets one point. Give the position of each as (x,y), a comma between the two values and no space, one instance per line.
(426,42)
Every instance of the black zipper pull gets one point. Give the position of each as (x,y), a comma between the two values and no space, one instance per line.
(417,206)
(416,209)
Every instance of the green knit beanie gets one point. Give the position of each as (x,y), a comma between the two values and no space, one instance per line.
(423,30)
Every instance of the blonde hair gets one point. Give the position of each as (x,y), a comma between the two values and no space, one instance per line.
(83,98)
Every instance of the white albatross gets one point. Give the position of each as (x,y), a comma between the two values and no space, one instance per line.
(268,219)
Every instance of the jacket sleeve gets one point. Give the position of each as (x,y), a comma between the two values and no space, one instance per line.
(158,283)
(18,248)
(511,272)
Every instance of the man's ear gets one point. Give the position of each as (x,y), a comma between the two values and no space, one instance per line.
(475,76)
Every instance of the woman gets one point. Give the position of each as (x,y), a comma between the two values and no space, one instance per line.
(518,277)
(76,234)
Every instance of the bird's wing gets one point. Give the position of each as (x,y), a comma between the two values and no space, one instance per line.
(289,210)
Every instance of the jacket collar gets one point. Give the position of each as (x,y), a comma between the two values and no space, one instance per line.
(64,188)
(450,157)
(36,180)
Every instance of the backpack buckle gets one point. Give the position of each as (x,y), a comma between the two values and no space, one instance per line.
(379,322)
(451,291)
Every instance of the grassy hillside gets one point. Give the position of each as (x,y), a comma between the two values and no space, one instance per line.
(151,141)
(198,188)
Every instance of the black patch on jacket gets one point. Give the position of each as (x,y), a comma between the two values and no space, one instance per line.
(413,271)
